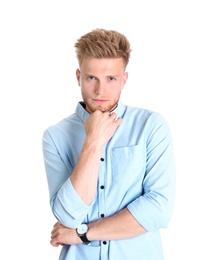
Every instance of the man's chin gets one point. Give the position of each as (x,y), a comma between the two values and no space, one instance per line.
(109,109)
(101,108)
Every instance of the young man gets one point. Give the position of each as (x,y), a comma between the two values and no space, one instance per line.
(110,167)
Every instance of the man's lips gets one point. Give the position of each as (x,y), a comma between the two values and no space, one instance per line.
(100,100)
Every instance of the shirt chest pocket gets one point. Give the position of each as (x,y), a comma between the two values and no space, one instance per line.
(128,163)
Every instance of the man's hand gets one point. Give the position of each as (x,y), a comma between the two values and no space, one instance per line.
(62,235)
(101,126)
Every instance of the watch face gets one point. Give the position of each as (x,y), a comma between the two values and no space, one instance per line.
(82,229)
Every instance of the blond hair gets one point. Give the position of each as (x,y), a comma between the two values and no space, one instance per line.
(101,43)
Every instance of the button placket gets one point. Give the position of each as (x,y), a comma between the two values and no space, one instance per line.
(101,186)
(102,210)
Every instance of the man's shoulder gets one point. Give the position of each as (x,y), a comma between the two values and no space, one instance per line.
(63,125)
(133,110)
(144,114)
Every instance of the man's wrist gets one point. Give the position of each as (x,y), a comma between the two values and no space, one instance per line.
(82,233)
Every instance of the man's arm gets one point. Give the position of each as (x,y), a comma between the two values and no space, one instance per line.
(99,127)
(122,225)
(73,188)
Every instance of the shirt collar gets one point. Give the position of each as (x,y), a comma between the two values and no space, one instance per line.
(83,114)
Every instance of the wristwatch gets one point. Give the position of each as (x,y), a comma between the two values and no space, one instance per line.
(82,232)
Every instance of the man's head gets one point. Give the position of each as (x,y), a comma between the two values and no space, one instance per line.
(101,43)
(103,56)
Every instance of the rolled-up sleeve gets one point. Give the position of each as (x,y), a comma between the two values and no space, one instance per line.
(66,205)
(153,210)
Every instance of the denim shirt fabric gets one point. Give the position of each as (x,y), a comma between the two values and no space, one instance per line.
(137,171)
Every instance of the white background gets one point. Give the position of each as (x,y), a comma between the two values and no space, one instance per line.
(171,70)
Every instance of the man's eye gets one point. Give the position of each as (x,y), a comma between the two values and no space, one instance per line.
(90,77)
(111,78)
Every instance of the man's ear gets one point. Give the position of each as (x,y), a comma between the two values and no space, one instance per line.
(125,77)
(78,75)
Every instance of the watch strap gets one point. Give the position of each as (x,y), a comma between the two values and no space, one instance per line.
(84,239)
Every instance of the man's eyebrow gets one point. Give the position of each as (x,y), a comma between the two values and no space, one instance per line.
(108,76)
(114,76)
(89,75)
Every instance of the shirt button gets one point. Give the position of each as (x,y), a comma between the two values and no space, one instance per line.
(104,242)
(102,187)
(102,215)
(102,159)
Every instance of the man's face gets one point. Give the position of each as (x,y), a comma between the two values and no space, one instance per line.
(101,82)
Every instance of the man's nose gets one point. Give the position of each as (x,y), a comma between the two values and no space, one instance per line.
(100,88)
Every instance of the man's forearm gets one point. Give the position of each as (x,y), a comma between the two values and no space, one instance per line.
(122,225)
(119,226)
(85,175)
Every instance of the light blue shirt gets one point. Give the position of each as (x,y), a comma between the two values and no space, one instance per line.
(136,171)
